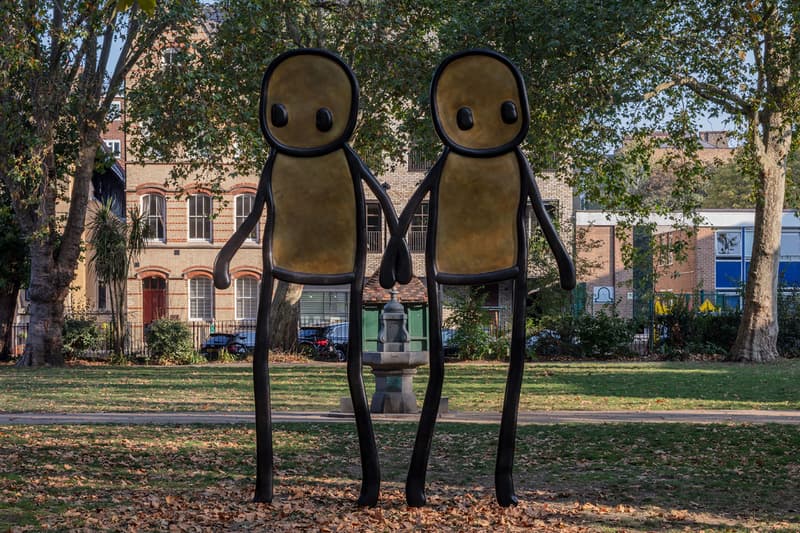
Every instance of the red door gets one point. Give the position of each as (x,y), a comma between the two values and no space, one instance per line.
(154,299)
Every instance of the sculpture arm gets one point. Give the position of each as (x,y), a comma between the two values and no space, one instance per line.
(566,268)
(222,277)
(396,262)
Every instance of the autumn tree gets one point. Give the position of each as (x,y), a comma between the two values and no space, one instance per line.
(741,59)
(57,82)
(202,117)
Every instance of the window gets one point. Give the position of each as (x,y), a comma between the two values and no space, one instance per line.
(246,298)
(115,147)
(101,296)
(244,205)
(154,215)
(729,243)
(417,162)
(666,255)
(170,57)
(200,217)
(531,222)
(419,226)
(114,111)
(374,227)
(201,299)
(323,306)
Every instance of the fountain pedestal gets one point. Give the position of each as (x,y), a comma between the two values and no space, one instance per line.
(394,365)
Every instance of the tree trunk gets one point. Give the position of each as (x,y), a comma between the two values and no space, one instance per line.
(757,337)
(285,316)
(8,308)
(45,334)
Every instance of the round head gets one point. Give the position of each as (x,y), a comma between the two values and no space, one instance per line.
(480,106)
(309,102)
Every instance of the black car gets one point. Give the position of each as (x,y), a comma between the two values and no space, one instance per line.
(311,340)
(338,336)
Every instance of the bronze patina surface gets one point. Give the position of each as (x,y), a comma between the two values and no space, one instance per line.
(306,238)
(459,87)
(477,226)
(304,84)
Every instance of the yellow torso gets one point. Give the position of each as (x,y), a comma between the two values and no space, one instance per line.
(478,205)
(315,214)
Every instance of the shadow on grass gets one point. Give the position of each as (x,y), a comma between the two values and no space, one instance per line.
(617,476)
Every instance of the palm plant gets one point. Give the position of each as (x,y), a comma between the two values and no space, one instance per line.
(115,244)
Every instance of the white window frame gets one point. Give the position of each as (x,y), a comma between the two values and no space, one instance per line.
(115,146)
(251,299)
(144,209)
(204,218)
(194,299)
(239,218)
(114,111)
(736,245)
(169,57)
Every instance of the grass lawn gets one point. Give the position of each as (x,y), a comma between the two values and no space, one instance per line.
(569,478)
(470,387)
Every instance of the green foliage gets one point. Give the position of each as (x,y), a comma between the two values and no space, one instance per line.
(170,342)
(789,322)
(471,323)
(80,335)
(600,336)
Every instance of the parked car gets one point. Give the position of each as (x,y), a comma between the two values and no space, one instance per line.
(449,348)
(549,342)
(215,343)
(311,340)
(338,336)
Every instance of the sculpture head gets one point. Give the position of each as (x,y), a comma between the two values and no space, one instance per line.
(479,102)
(309,102)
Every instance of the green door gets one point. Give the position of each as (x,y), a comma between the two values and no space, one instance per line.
(417,326)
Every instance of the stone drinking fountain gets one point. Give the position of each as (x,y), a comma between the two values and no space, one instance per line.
(394,364)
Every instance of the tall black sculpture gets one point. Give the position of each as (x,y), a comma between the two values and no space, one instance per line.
(309,104)
(479,190)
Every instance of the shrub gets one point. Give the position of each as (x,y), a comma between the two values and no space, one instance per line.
(80,336)
(602,335)
(170,342)
(471,324)
(789,323)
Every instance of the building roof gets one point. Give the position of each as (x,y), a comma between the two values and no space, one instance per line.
(715,218)
(412,293)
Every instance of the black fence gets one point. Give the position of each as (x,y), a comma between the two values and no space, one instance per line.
(136,336)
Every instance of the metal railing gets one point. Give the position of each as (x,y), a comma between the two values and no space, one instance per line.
(416,240)
(374,241)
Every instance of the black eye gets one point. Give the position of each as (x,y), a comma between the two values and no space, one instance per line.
(279,115)
(324,119)
(464,118)
(509,112)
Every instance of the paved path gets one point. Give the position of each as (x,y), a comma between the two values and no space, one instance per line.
(526,417)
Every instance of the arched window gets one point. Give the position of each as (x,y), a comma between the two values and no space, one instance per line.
(154,212)
(199,217)
(246,298)
(244,205)
(201,299)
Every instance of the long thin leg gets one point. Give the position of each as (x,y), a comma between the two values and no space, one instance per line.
(415,482)
(504,483)
(261,388)
(370,465)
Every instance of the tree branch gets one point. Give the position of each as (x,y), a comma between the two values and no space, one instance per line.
(730,102)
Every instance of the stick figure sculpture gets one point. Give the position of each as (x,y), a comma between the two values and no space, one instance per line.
(309,102)
(479,190)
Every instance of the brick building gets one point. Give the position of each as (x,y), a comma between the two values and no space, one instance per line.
(173,276)
(717,259)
